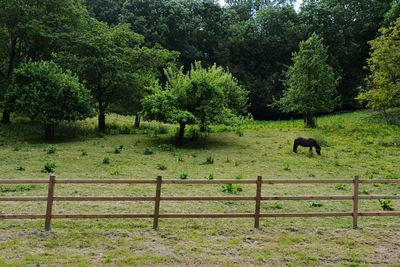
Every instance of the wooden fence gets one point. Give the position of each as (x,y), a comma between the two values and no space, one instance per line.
(355,197)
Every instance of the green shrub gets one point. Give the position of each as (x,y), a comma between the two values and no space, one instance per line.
(49,167)
(161,167)
(180,157)
(277,206)
(51,150)
(239,132)
(19,168)
(315,204)
(106,160)
(114,171)
(183,176)
(386,204)
(161,129)
(210,177)
(148,151)
(340,187)
(231,188)
(118,149)
(209,160)
(286,166)
(84,152)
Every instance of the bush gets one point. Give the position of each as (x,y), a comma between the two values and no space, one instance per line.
(386,204)
(315,204)
(49,167)
(162,167)
(209,160)
(84,152)
(183,176)
(210,177)
(114,171)
(118,149)
(148,151)
(106,160)
(231,188)
(19,168)
(51,150)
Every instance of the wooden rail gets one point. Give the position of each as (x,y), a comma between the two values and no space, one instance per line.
(157,199)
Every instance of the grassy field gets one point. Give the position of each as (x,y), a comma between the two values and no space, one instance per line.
(353,144)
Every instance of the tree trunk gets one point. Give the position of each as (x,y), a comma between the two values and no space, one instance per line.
(102,121)
(309,120)
(6,117)
(49,130)
(137,120)
(181,132)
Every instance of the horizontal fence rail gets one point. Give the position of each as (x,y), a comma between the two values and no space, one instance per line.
(158,198)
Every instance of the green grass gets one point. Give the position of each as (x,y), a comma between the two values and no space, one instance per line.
(353,144)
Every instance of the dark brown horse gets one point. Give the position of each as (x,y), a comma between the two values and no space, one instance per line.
(306,143)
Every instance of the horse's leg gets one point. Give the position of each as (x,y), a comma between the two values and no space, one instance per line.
(295,146)
(311,148)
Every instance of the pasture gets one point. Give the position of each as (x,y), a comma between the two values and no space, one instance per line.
(352,144)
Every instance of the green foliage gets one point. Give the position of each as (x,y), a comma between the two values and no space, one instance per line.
(161,166)
(310,84)
(115,171)
(277,206)
(106,160)
(203,96)
(384,79)
(33,31)
(183,176)
(210,177)
(209,160)
(341,187)
(47,94)
(116,66)
(51,149)
(166,147)
(118,149)
(232,188)
(84,152)
(386,204)
(148,151)
(49,167)
(18,188)
(19,168)
(315,204)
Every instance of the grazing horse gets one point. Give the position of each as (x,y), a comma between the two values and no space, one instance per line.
(306,143)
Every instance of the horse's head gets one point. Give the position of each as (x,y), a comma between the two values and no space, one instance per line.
(318,151)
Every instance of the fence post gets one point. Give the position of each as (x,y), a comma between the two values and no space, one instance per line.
(258,203)
(157,203)
(356,182)
(50,196)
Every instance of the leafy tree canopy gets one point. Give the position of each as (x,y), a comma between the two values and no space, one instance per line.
(383,82)
(202,96)
(45,93)
(310,84)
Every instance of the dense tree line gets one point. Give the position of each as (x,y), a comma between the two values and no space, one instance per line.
(255,39)
(125,51)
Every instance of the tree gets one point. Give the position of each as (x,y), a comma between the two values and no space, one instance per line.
(258,51)
(393,13)
(310,84)
(105,10)
(203,96)
(346,27)
(114,64)
(383,90)
(45,93)
(33,30)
